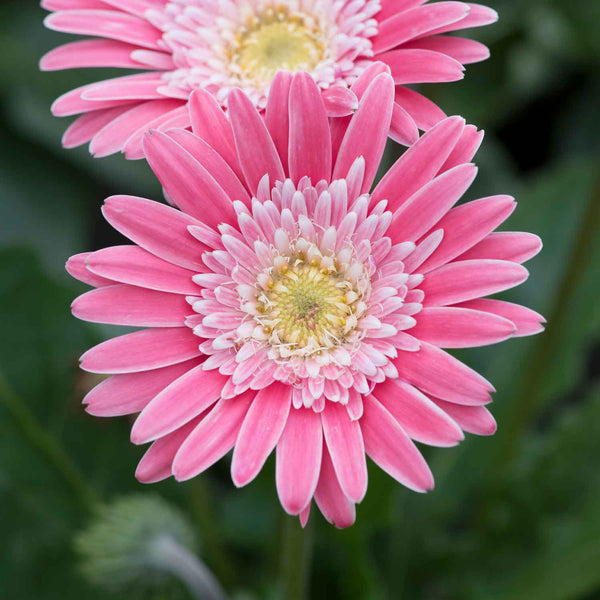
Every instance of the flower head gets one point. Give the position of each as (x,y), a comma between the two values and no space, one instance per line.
(185,45)
(287,307)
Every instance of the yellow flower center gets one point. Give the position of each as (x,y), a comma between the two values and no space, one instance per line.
(276,40)
(307,308)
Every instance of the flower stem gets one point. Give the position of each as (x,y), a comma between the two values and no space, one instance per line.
(48,447)
(296,558)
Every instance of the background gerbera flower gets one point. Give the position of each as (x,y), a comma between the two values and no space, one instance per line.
(286,307)
(184,45)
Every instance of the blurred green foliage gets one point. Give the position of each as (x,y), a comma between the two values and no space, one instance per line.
(513,517)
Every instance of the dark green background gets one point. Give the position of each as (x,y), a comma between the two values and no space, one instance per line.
(513,517)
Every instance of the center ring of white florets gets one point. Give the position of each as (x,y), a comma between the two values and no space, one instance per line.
(309,303)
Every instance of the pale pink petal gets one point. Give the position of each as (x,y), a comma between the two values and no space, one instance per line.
(421,66)
(345,444)
(214,437)
(299,459)
(76,267)
(260,432)
(388,446)
(470,279)
(182,400)
(391,7)
(339,101)
(85,127)
(505,245)
(142,351)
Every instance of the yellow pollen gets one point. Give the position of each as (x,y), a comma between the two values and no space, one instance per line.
(306,309)
(275,40)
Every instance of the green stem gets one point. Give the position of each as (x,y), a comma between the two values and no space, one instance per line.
(527,400)
(48,447)
(296,558)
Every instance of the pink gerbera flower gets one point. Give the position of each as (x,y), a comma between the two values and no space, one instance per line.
(185,45)
(288,308)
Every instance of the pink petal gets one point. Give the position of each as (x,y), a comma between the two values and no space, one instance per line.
(466,225)
(389,447)
(330,498)
(133,265)
(419,164)
(461,328)
(113,136)
(213,162)
(465,148)
(130,393)
(527,321)
(421,66)
(339,101)
(392,7)
(260,432)
(345,444)
(472,419)
(182,400)
(131,306)
(424,112)
(416,22)
(460,49)
(299,453)
(422,211)
(159,229)
(210,123)
(478,17)
(85,127)
(368,130)
(157,463)
(439,374)
(142,351)
(470,279)
(418,416)
(403,128)
(255,148)
(186,181)
(108,24)
(70,4)
(76,267)
(310,140)
(136,7)
(213,437)
(277,117)
(505,245)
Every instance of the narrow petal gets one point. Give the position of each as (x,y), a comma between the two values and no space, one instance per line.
(470,279)
(213,438)
(260,432)
(389,447)
(472,419)
(310,139)
(461,328)
(76,267)
(136,266)
(423,111)
(85,127)
(368,130)
(142,351)
(277,114)
(403,128)
(505,245)
(463,50)
(255,148)
(347,451)
(181,401)
(466,148)
(161,230)
(439,374)
(421,66)
(130,393)
(330,498)
(418,416)
(299,453)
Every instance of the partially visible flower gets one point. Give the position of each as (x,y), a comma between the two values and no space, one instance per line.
(185,45)
(289,308)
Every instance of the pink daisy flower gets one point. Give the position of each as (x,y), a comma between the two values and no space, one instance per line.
(287,308)
(218,45)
